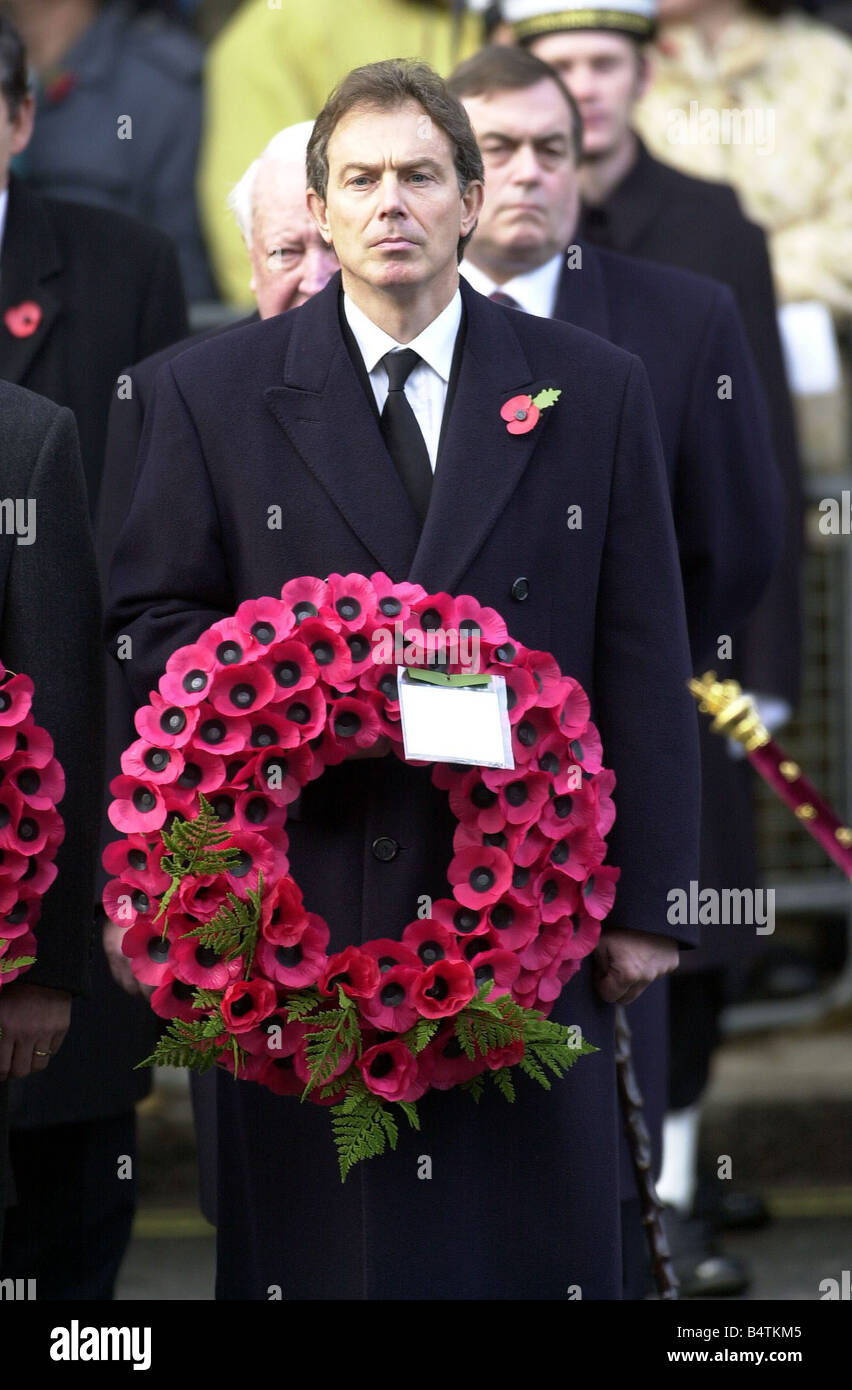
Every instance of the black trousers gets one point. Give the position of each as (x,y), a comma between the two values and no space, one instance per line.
(696,1002)
(71,1222)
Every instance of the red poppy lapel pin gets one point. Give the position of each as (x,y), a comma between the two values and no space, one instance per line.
(22,320)
(521,413)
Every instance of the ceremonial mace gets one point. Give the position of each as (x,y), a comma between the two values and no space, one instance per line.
(734,716)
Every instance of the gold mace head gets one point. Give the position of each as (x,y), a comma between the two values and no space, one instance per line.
(735,715)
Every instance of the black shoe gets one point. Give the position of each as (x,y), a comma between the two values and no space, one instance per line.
(730,1211)
(703,1271)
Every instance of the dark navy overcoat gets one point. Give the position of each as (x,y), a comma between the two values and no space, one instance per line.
(523,1200)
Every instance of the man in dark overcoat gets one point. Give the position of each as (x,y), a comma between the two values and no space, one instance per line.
(50,631)
(523,1200)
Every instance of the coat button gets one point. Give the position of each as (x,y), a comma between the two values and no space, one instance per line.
(385,848)
(521,589)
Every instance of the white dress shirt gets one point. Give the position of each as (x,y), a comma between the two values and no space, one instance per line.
(426,387)
(535,290)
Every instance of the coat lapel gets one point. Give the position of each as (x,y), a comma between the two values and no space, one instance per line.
(328,419)
(29,259)
(480,463)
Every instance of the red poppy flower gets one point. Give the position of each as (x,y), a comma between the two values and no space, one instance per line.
(513,922)
(305,597)
(507,838)
(144,761)
(389,1070)
(580,851)
(357,974)
(300,964)
(547,677)
(599,891)
(138,806)
(187,678)
(202,966)
(475,801)
(531,733)
(521,414)
(21,948)
(305,711)
(273,1037)
(480,876)
(40,787)
(265,619)
(521,693)
(500,965)
(460,922)
(242,689)
(23,319)
(389,953)
(300,1061)
(280,1075)
(284,917)
(145,945)
(35,742)
(431,941)
(604,786)
(245,1068)
(584,937)
(444,988)
(219,733)
(521,795)
(16,698)
(507,1056)
(548,946)
(353,599)
(352,723)
(173,999)
(443,1064)
(246,1002)
(165,724)
(125,902)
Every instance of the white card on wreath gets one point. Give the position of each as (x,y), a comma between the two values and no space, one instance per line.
(444,723)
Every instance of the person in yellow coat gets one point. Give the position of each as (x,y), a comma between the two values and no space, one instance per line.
(275,63)
(763,100)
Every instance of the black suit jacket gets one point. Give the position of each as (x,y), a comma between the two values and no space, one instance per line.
(275,414)
(660,214)
(109,292)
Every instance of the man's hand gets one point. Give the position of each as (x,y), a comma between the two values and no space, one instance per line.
(626,962)
(33,1023)
(119,964)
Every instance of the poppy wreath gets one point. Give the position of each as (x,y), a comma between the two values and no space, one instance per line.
(31,829)
(242,720)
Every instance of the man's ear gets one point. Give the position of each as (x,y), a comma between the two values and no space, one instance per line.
(319,212)
(472,200)
(22,125)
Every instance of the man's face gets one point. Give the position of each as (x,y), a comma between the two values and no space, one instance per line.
(14,134)
(290,262)
(532,194)
(393,209)
(605,74)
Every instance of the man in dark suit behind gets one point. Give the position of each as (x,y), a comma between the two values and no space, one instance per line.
(523,1200)
(50,605)
(636,204)
(83,292)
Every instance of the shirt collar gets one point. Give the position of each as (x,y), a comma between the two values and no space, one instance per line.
(535,290)
(435,344)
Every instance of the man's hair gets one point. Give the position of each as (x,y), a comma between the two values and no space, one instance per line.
(14,78)
(287,146)
(502,68)
(385,87)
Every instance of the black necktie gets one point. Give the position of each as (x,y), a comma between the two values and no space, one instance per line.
(403,436)
(498,297)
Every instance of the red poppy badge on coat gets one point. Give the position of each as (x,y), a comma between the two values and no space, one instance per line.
(22,320)
(521,413)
